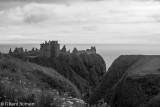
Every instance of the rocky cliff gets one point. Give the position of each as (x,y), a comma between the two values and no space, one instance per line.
(83,70)
(131,81)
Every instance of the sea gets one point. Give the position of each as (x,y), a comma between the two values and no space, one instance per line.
(109,52)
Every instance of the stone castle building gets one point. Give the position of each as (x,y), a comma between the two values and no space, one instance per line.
(16,51)
(88,51)
(50,49)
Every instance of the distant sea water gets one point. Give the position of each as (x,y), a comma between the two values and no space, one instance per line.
(108,51)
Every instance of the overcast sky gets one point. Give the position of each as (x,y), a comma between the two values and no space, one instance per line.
(80,21)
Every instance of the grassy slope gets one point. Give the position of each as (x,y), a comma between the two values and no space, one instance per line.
(83,70)
(140,85)
(116,71)
(28,82)
(146,65)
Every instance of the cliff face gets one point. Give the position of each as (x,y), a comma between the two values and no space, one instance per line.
(83,70)
(110,78)
(131,81)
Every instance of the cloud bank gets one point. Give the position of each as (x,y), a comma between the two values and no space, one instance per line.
(82,21)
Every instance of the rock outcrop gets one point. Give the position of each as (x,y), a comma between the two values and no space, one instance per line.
(131,81)
(83,70)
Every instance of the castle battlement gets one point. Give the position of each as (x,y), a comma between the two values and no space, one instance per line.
(51,49)
(88,51)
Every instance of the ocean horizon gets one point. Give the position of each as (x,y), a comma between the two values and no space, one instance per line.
(108,51)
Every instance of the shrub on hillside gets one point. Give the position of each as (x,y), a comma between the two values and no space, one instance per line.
(21,83)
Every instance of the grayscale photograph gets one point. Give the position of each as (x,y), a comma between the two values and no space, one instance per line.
(79,53)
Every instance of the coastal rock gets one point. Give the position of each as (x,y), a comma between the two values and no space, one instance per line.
(131,81)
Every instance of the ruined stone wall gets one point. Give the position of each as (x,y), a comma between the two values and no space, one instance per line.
(55,50)
(45,50)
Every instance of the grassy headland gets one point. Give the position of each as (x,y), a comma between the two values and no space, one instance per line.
(31,83)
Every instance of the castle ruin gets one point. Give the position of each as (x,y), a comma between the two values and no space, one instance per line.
(49,49)
(16,50)
(87,51)
(52,49)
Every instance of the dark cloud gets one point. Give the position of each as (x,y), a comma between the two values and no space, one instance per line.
(46,1)
(10,4)
(7,4)
(37,1)
(156,18)
(35,19)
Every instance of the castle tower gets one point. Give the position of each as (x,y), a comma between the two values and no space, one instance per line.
(18,50)
(63,50)
(75,51)
(54,48)
(93,49)
(50,49)
(26,50)
(10,51)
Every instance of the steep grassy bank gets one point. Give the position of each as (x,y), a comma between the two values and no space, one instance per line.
(132,81)
(30,83)
(83,70)
(140,86)
(115,72)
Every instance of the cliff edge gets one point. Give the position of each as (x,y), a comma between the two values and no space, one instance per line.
(131,81)
(84,70)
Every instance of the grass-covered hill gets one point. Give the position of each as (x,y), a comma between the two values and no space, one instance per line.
(31,83)
(84,70)
(118,68)
(131,81)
